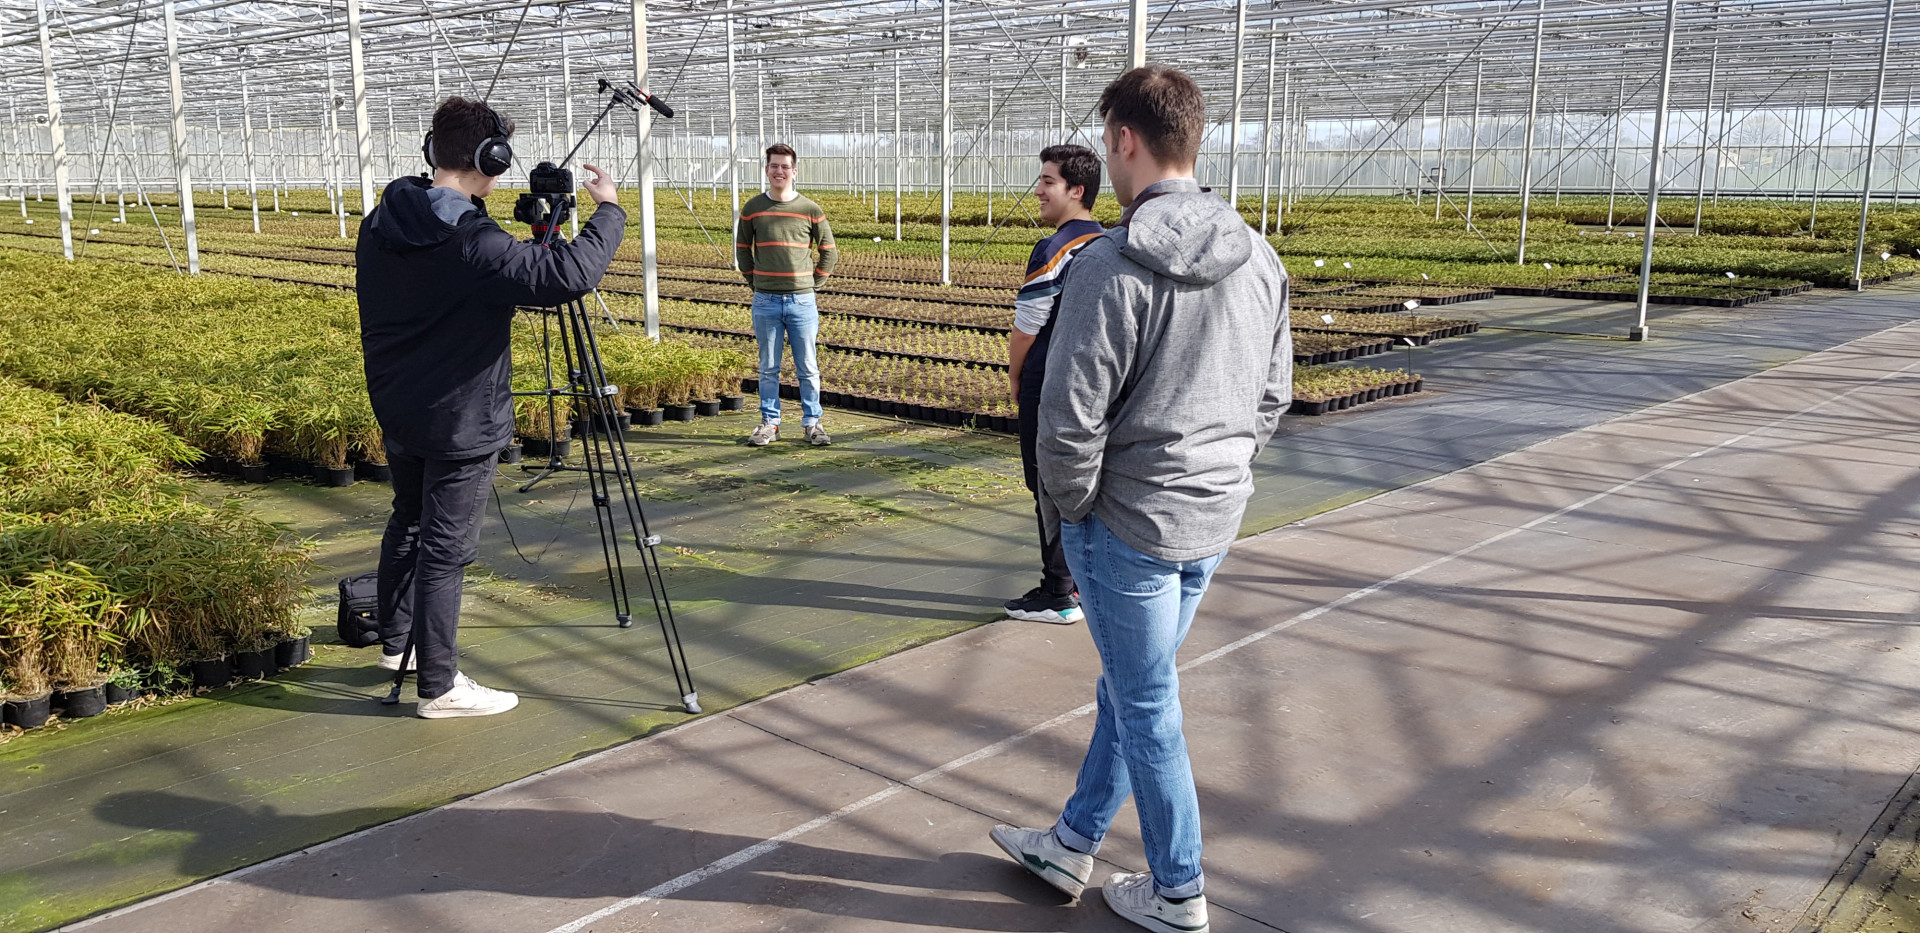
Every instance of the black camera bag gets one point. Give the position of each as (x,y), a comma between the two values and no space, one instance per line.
(359,610)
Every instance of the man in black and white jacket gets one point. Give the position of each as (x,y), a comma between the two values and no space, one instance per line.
(438,282)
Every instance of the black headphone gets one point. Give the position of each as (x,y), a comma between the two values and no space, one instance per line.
(492,157)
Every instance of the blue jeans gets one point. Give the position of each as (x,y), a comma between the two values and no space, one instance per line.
(795,317)
(1138,611)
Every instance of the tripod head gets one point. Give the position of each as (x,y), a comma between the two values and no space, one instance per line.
(549,201)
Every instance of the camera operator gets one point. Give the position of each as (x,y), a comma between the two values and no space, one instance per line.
(438,282)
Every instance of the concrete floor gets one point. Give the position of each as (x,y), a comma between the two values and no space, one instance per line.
(1654,674)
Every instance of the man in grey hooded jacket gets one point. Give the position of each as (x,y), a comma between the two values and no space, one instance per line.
(1170,368)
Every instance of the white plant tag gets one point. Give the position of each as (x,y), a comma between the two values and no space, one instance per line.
(1547,264)
(93,231)
(1412,303)
(1424,278)
(1885,256)
(1318,263)
(1732,276)
(1347,264)
(1326,318)
(29,220)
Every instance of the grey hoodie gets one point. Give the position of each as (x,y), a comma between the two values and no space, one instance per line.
(1170,368)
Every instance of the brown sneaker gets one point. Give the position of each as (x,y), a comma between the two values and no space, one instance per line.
(766,433)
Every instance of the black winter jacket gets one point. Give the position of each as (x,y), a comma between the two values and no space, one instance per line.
(436,306)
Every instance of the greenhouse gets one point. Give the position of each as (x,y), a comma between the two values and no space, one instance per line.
(1565,532)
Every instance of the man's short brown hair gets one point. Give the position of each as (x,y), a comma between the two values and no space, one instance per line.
(460,125)
(782,149)
(1163,107)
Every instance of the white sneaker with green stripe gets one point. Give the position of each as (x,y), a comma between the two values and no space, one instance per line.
(1040,852)
(1133,897)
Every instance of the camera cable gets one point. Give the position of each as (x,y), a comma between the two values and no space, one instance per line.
(502,510)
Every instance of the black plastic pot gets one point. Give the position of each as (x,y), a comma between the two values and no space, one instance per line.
(750,386)
(212,672)
(79,704)
(706,409)
(253,472)
(647,418)
(27,714)
(511,453)
(252,665)
(581,427)
(733,403)
(679,412)
(332,476)
(373,472)
(624,421)
(293,652)
(117,694)
(543,448)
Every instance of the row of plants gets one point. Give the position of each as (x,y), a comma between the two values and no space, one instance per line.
(113,578)
(1318,390)
(1420,329)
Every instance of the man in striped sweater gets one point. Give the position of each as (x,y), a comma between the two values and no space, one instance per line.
(775,243)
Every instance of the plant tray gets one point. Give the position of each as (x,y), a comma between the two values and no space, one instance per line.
(1327,406)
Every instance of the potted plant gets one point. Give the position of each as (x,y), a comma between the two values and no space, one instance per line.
(123,684)
(294,648)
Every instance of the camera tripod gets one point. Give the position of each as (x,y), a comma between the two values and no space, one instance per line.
(603,448)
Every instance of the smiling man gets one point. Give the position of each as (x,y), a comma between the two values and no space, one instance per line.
(1068,186)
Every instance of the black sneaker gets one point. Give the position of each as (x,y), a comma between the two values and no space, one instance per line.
(1038,607)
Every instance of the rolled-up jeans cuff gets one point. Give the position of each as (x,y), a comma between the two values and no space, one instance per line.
(1190,889)
(1073,840)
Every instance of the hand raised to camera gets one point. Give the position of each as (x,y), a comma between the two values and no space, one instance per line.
(600,186)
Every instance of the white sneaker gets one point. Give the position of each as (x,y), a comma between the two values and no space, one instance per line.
(1040,852)
(391,662)
(1133,897)
(467,699)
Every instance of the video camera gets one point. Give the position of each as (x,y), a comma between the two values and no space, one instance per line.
(549,201)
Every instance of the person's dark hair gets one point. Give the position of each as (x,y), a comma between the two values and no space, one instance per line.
(1078,166)
(1163,107)
(782,149)
(459,126)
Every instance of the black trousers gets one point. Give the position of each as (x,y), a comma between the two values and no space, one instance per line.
(433,535)
(1055,579)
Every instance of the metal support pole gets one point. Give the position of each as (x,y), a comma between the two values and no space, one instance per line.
(362,125)
(1819,157)
(179,145)
(1233,124)
(1533,110)
(1440,166)
(1720,148)
(733,128)
(1873,129)
(58,134)
(1137,27)
(642,155)
(1065,53)
(566,99)
(1266,137)
(946,142)
(246,146)
(1706,117)
(332,129)
(899,150)
(1900,154)
(1473,138)
(220,150)
(1613,152)
(1639,331)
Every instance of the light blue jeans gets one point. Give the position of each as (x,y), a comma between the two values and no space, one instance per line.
(796,318)
(1138,611)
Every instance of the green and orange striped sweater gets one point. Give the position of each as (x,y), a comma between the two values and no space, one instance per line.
(775,241)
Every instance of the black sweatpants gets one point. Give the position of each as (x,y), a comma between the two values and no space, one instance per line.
(433,535)
(1055,579)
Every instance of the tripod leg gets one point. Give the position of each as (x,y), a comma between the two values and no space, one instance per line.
(400,676)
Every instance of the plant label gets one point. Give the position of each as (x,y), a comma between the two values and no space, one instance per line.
(1318,263)
(1547,264)
(876,239)
(1732,276)
(295,213)
(1347,264)
(1326,318)
(29,220)
(1885,256)
(1412,303)
(1424,278)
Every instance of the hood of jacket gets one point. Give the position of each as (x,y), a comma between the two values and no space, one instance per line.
(405,220)
(1185,232)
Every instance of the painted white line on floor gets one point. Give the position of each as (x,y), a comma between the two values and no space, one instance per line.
(752,852)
